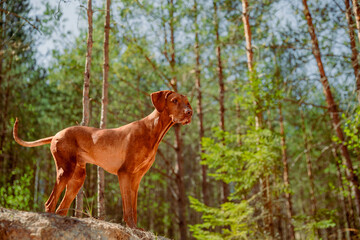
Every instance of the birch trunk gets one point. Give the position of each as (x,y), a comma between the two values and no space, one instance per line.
(86,99)
(104,103)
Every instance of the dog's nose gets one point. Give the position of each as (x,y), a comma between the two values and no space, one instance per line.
(188,111)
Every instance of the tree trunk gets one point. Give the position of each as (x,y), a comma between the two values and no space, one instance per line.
(249,55)
(309,165)
(86,99)
(104,103)
(346,212)
(357,16)
(354,52)
(264,181)
(36,182)
(2,158)
(225,186)
(238,119)
(352,177)
(279,214)
(268,218)
(173,81)
(199,108)
(181,203)
(170,231)
(286,175)
(309,170)
(2,37)
(180,183)
(247,31)
(5,104)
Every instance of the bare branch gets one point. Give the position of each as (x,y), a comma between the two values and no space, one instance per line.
(300,102)
(167,162)
(162,173)
(18,16)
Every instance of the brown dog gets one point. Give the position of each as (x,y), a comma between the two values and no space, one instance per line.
(127,151)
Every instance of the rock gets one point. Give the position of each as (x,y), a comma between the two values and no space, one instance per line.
(23,225)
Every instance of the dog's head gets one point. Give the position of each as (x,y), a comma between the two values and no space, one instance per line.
(175,104)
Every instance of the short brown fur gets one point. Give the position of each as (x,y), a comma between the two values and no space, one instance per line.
(128,152)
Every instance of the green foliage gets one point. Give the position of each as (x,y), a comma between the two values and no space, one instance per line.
(241,165)
(234,217)
(351,130)
(309,225)
(17,195)
(48,98)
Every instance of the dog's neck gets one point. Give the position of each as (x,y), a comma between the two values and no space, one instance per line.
(159,124)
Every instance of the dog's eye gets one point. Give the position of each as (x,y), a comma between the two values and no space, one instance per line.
(175,101)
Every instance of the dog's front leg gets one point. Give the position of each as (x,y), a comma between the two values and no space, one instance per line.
(128,187)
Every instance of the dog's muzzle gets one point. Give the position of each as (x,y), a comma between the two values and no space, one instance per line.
(188,114)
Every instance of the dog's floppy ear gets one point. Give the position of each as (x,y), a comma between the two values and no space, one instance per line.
(158,99)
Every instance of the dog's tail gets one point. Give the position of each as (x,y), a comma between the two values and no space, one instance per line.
(36,143)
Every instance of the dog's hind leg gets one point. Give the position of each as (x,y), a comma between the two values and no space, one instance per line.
(65,167)
(72,188)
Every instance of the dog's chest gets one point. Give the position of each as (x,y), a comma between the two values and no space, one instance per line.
(145,163)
